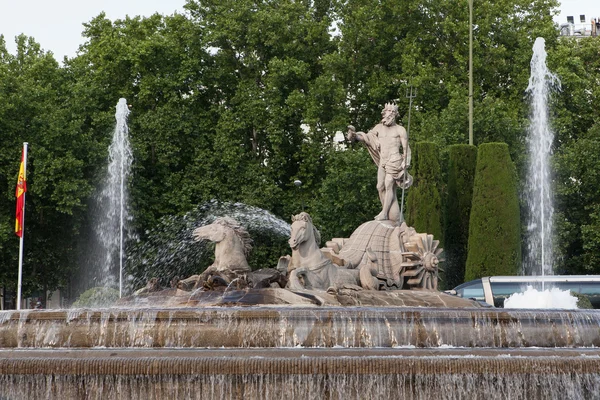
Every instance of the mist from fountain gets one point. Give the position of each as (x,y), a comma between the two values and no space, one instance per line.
(553,298)
(539,255)
(169,250)
(111,228)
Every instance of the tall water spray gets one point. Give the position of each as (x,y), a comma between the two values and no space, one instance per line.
(539,193)
(112,227)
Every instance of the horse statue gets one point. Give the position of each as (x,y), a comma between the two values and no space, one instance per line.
(233,244)
(309,267)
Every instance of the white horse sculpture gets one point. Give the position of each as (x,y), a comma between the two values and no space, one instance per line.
(233,244)
(310,268)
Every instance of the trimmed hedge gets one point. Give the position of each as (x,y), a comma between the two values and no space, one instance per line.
(424,202)
(495,223)
(462,160)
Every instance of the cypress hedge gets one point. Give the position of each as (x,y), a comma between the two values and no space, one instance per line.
(494,226)
(424,202)
(462,159)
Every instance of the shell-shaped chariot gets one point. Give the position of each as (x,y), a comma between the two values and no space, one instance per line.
(403,258)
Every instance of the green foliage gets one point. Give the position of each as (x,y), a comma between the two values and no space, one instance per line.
(461,173)
(578,221)
(33,93)
(494,226)
(235,99)
(97,297)
(424,203)
(387,45)
(583,301)
(577,158)
(348,196)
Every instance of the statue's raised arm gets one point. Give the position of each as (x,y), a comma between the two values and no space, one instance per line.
(384,142)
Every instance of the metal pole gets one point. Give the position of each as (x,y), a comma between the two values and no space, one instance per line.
(411,93)
(471,72)
(20,279)
(298,183)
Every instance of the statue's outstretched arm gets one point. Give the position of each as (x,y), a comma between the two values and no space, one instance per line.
(352,135)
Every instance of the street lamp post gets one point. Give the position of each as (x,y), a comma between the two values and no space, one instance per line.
(471,72)
(298,183)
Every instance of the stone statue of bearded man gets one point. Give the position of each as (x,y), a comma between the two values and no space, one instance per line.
(384,142)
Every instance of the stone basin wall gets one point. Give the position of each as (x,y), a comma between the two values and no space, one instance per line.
(300,374)
(323,327)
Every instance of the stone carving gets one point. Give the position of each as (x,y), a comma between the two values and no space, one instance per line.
(233,244)
(379,255)
(401,257)
(383,143)
(310,268)
(153,285)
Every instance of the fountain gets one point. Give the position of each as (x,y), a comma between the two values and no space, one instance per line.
(169,249)
(113,200)
(359,318)
(539,200)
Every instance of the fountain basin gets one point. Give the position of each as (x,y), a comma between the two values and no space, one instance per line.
(287,326)
(301,373)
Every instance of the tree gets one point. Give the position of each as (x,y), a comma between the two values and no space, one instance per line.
(386,46)
(424,202)
(495,225)
(34,90)
(348,195)
(266,55)
(578,218)
(461,173)
(577,126)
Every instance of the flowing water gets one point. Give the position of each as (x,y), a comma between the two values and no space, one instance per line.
(111,228)
(301,353)
(307,327)
(302,374)
(539,254)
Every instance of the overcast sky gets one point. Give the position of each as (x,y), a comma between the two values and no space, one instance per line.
(57,24)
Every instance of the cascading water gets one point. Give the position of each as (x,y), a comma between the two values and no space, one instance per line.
(112,227)
(539,199)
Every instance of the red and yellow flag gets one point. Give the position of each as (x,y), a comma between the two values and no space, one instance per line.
(21,189)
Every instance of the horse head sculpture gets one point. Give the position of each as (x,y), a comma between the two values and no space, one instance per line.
(309,267)
(303,232)
(233,244)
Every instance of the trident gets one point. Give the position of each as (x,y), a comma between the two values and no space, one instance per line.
(411,93)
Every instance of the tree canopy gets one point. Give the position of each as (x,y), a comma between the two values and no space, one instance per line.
(234,100)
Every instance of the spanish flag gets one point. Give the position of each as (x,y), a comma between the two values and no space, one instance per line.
(21,189)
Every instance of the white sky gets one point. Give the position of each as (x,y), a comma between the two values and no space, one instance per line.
(590,8)
(57,24)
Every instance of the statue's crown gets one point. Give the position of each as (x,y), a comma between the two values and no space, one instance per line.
(391,107)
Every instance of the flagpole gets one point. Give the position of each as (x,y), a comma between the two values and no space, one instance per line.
(20,282)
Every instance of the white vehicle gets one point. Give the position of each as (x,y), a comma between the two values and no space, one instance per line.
(493,290)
